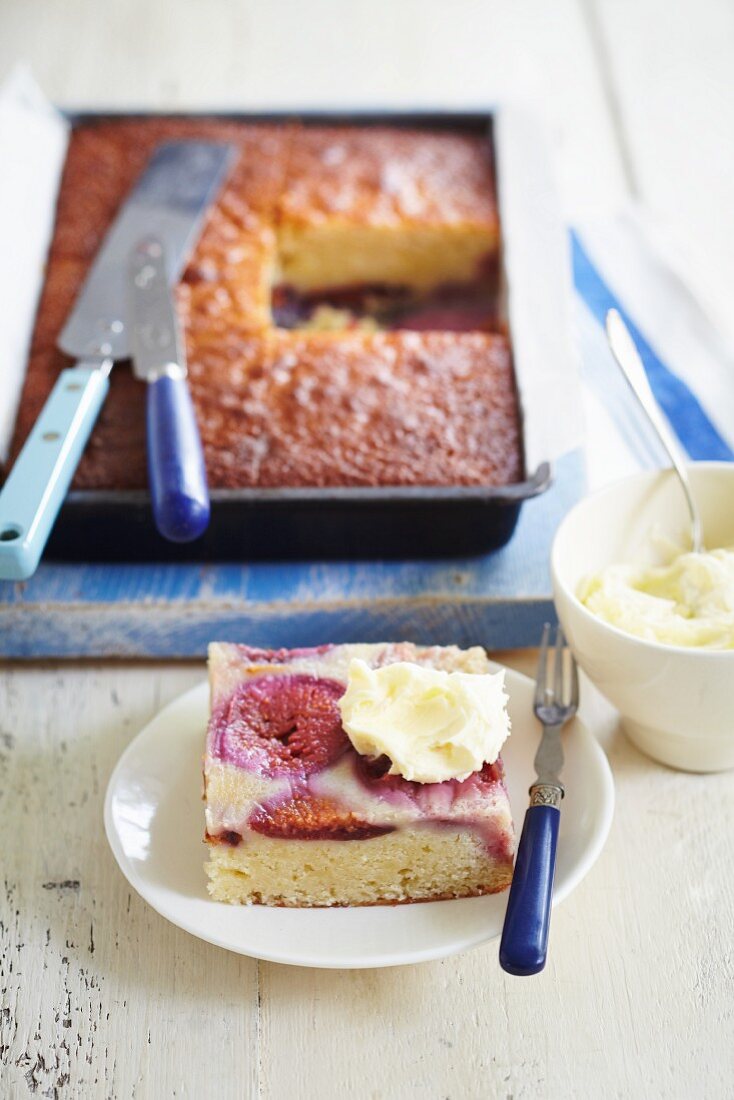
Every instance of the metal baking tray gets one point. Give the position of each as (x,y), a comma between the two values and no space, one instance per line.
(383,522)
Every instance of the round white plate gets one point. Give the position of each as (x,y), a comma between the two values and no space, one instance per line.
(154,820)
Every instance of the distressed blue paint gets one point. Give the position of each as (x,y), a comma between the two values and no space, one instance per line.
(174,610)
(183,631)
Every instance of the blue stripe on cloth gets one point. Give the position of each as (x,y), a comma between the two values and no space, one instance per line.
(687,416)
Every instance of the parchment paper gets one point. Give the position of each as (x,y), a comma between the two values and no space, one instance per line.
(33,140)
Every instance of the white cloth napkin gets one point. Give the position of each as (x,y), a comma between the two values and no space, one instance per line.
(621,262)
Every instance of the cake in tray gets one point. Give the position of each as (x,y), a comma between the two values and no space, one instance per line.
(295,816)
(340,308)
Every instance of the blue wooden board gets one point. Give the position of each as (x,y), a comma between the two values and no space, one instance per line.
(500,600)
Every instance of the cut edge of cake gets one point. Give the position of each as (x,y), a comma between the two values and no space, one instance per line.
(335,254)
(420,864)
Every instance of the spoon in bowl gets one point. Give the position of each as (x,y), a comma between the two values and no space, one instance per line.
(628,359)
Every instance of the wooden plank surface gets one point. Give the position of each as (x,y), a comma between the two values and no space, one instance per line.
(100,997)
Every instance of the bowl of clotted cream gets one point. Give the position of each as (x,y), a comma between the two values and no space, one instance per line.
(650,622)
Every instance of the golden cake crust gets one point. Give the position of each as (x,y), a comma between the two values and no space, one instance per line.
(364,410)
(381,176)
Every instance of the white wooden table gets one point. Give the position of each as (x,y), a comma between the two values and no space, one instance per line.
(100,996)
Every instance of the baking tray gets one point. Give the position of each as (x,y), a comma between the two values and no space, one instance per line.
(383,522)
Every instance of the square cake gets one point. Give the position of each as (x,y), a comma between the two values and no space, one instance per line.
(295,816)
(340,308)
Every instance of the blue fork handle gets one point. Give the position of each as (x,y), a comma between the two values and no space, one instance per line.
(524,943)
(176,470)
(38,482)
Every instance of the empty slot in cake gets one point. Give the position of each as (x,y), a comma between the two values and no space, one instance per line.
(382,307)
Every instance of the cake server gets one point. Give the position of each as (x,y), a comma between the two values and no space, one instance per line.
(524,943)
(169,200)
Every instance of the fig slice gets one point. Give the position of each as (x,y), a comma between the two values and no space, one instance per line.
(306,817)
(282,725)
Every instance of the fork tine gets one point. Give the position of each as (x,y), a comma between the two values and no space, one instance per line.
(541,677)
(574,683)
(558,667)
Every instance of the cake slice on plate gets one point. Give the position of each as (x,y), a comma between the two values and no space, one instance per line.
(297,816)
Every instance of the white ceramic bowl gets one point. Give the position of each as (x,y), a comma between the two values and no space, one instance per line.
(676,703)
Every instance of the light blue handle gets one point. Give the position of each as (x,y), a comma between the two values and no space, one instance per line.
(32,496)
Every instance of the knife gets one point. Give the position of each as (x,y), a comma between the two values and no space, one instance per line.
(170,201)
(176,470)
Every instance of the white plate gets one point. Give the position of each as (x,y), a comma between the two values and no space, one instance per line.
(154,821)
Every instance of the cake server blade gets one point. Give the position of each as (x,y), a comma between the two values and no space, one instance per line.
(169,200)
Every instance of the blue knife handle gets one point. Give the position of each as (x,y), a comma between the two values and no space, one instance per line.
(524,943)
(176,470)
(38,482)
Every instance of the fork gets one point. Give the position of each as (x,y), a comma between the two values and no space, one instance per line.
(524,943)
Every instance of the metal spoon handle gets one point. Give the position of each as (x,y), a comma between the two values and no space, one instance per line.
(628,359)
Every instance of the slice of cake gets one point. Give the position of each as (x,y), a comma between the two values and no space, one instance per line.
(415,409)
(385,205)
(295,816)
